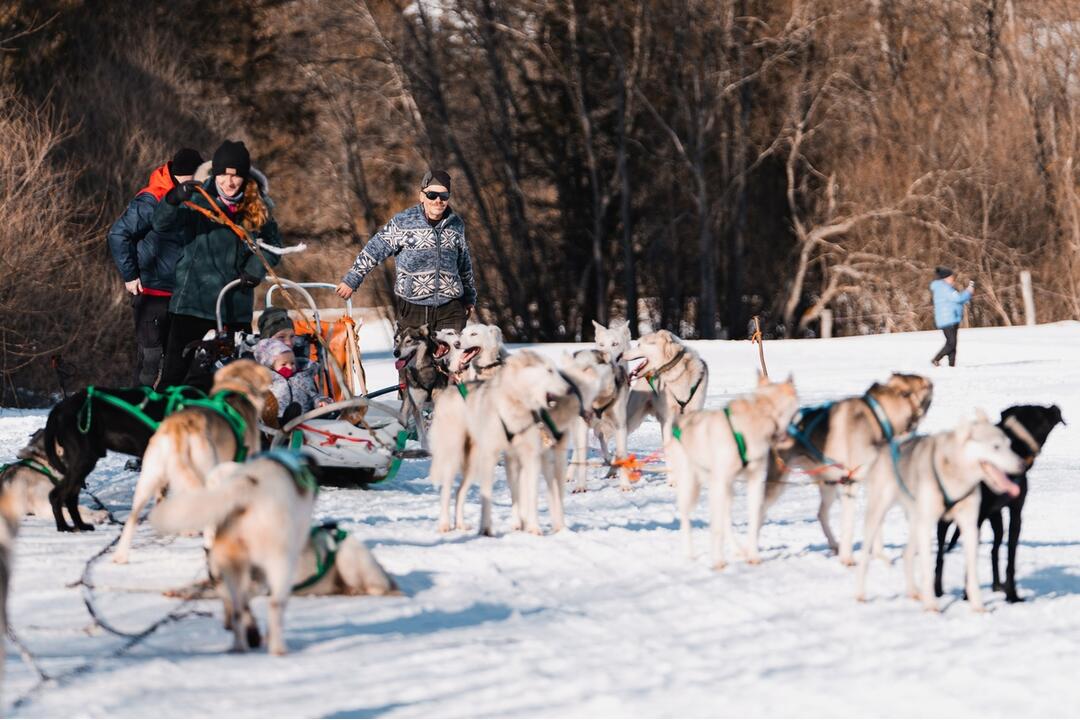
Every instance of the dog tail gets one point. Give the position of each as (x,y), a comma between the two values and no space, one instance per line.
(199,509)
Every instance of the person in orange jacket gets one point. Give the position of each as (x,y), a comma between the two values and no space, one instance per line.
(147,261)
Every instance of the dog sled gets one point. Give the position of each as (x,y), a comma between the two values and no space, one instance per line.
(355,439)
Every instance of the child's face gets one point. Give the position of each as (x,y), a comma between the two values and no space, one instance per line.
(286,336)
(285,359)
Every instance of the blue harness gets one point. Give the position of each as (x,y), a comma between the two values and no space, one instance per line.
(890,437)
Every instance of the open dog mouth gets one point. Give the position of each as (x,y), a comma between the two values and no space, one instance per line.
(441,348)
(469,354)
(998,481)
(403,361)
(639,370)
(552,400)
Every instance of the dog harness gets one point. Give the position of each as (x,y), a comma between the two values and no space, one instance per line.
(296,464)
(325,539)
(173,396)
(34,465)
(949,503)
(740,439)
(887,432)
(176,398)
(650,378)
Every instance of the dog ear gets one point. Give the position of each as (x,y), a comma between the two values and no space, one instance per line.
(498,333)
(597,326)
(423,330)
(963,430)
(762,381)
(981,416)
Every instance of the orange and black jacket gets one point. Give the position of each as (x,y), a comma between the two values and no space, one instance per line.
(138,249)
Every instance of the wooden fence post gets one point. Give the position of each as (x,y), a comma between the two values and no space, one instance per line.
(826,323)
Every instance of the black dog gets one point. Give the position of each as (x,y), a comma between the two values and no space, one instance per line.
(79,432)
(1027,426)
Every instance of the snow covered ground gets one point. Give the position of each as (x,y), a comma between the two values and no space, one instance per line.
(608,619)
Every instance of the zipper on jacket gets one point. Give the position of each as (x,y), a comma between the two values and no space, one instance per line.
(438,256)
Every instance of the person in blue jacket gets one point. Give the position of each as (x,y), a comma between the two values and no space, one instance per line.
(147,261)
(948,310)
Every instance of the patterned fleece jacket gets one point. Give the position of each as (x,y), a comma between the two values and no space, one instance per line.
(433,263)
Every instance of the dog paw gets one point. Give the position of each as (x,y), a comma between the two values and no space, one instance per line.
(720,565)
(980,608)
(932,608)
(626,488)
(120,558)
(579,489)
(445,527)
(1014,598)
(860,597)
(535,530)
(847,560)
(753,559)
(254,638)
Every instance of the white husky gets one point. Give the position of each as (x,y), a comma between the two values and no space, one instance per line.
(714,447)
(675,372)
(936,476)
(261,512)
(477,353)
(473,425)
(622,414)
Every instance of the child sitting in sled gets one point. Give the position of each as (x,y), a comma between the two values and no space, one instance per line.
(294,390)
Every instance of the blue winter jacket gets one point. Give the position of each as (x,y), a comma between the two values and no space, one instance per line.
(433,263)
(948,303)
(140,251)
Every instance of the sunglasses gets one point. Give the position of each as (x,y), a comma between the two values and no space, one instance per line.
(430,195)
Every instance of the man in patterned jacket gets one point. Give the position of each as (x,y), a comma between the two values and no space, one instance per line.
(434,283)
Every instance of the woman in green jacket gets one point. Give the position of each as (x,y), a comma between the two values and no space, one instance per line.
(213,254)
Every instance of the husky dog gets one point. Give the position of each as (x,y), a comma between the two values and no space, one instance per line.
(714,447)
(934,477)
(478,353)
(190,443)
(41,478)
(588,376)
(474,425)
(419,356)
(1028,427)
(838,442)
(675,372)
(261,513)
(620,413)
(354,570)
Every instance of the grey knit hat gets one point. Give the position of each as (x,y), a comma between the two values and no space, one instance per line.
(268,349)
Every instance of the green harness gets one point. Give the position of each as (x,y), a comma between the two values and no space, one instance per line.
(35,466)
(334,536)
(740,439)
(650,378)
(297,466)
(176,398)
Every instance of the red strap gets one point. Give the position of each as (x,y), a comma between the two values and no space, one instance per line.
(332,437)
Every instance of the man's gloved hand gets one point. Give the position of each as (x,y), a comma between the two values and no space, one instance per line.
(248,280)
(181,193)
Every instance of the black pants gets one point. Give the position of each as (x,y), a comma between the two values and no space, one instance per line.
(184,330)
(151,330)
(949,349)
(449,315)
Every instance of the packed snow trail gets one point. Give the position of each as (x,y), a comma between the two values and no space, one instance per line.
(606,619)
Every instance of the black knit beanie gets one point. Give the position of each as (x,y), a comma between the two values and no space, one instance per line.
(185,162)
(232,155)
(943,272)
(436,177)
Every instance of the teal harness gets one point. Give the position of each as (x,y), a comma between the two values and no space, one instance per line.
(890,437)
(176,398)
(296,464)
